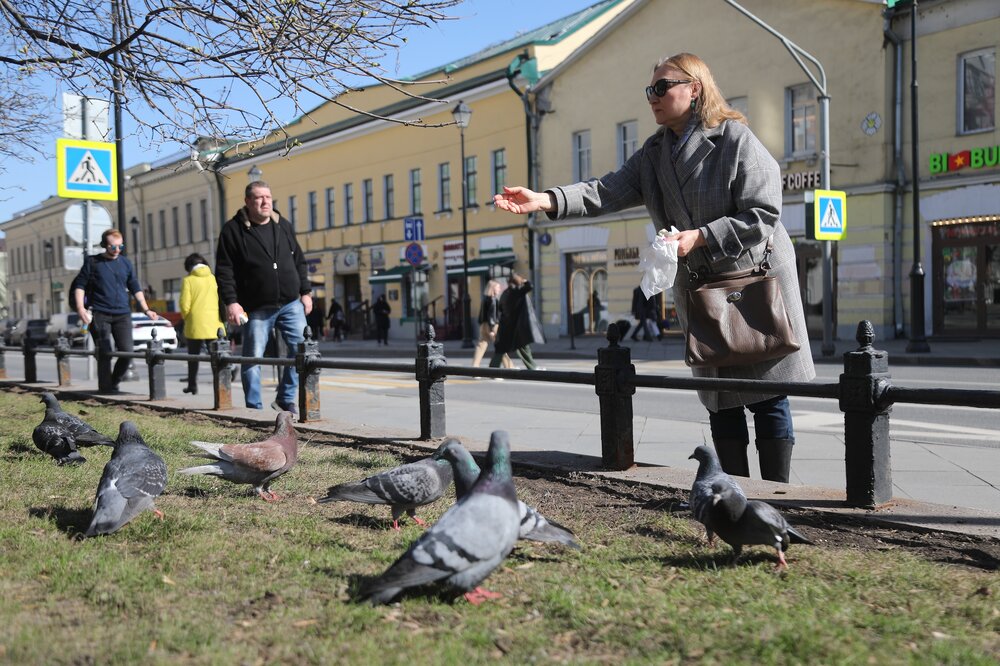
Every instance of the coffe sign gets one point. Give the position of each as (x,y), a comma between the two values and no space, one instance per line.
(800,180)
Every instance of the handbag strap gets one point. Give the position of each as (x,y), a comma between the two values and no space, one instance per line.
(762,267)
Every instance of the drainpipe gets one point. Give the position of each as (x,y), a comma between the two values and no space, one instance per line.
(900,185)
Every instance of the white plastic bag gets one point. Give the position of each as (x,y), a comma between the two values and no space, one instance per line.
(658,263)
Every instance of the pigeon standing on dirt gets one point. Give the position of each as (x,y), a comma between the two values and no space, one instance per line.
(132,479)
(701,498)
(403,488)
(534,526)
(258,463)
(740,523)
(470,540)
(59,434)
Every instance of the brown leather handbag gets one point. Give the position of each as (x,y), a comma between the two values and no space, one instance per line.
(737,318)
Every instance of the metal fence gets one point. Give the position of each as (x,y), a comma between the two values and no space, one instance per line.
(864,392)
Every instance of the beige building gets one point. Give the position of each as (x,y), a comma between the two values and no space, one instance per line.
(869,151)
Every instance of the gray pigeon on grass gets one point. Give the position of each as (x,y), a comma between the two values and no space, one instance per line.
(132,479)
(469,541)
(701,498)
(60,434)
(403,488)
(740,523)
(257,463)
(534,526)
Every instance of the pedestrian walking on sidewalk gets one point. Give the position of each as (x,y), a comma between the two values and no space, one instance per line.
(489,323)
(337,321)
(519,326)
(200,311)
(382,310)
(704,172)
(642,310)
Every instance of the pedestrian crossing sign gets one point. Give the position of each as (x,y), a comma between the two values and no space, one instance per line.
(86,170)
(826,216)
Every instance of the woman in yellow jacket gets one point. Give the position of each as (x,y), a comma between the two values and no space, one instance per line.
(200,310)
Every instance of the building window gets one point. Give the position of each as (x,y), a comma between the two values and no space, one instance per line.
(163,228)
(471,182)
(203,208)
(368,193)
(977,91)
(499,170)
(389,190)
(801,121)
(348,203)
(329,208)
(293,211)
(581,155)
(175,224)
(741,104)
(416,194)
(627,138)
(444,186)
(189,221)
(312,211)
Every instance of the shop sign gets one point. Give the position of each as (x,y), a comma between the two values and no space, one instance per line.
(800,180)
(453,253)
(378,257)
(626,256)
(977,158)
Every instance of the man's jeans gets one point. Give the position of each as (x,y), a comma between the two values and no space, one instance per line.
(288,321)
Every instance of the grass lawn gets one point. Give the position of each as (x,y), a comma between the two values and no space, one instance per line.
(226,578)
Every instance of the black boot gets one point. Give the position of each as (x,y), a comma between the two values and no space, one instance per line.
(775,457)
(733,456)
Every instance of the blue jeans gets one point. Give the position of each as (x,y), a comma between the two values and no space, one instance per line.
(288,321)
(772,419)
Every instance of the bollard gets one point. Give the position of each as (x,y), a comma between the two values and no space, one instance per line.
(614,382)
(62,360)
(155,366)
(430,358)
(863,387)
(30,365)
(305,359)
(222,377)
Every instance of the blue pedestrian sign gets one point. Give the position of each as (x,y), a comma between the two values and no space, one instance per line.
(86,170)
(826,216)
(414,254)
(413,228)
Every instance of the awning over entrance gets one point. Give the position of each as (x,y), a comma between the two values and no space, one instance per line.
(394,274)
(482,265)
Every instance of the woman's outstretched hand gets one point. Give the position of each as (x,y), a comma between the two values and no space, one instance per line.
(521,200)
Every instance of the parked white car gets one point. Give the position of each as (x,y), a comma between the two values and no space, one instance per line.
(142,332)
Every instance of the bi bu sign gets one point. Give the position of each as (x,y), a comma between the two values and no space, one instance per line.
(977,158)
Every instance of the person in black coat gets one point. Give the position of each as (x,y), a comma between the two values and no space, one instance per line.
(644,310)
(382,310)
(519,325)
(337,320)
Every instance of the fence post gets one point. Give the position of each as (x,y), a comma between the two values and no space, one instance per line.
(863,387)
(3,365)
(430,357)
(305,359)
(30,366)
(155,365)
(222,377)
(614,382)
(62,361)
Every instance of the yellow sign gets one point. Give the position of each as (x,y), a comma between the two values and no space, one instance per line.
(86,170)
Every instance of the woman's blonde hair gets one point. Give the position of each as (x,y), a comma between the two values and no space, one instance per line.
(711,107)
(490,286)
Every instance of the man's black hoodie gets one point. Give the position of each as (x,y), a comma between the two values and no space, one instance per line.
(246,272)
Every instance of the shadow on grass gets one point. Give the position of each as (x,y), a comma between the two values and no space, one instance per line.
(358,584)
(362,520)
(717,559)
(21,448)
(72,522)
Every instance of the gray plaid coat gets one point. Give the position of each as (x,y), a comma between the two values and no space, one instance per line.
(725,183)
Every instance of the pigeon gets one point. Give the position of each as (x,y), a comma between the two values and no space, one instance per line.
(258,463)
(59,434)
(132,479)
(403,488)
(700,500)
(534,526)
(740,523)
(467,543)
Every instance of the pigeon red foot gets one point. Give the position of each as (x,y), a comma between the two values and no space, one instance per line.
(158,513)
(479,595)
(420,522)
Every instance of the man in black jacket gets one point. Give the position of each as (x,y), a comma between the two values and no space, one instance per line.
(264,285)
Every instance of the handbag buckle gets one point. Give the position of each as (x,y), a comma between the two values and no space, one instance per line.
(734,297)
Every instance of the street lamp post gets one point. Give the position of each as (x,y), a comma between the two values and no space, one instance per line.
(254,173)
(134,223)
(462,113)
(918,340)
(49,259)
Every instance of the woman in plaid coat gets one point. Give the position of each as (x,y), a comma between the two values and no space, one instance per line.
(705,173)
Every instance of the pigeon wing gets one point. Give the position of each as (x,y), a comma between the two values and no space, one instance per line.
(536,527)
(266,456)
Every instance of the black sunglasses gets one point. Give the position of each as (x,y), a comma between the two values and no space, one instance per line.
(660,88)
